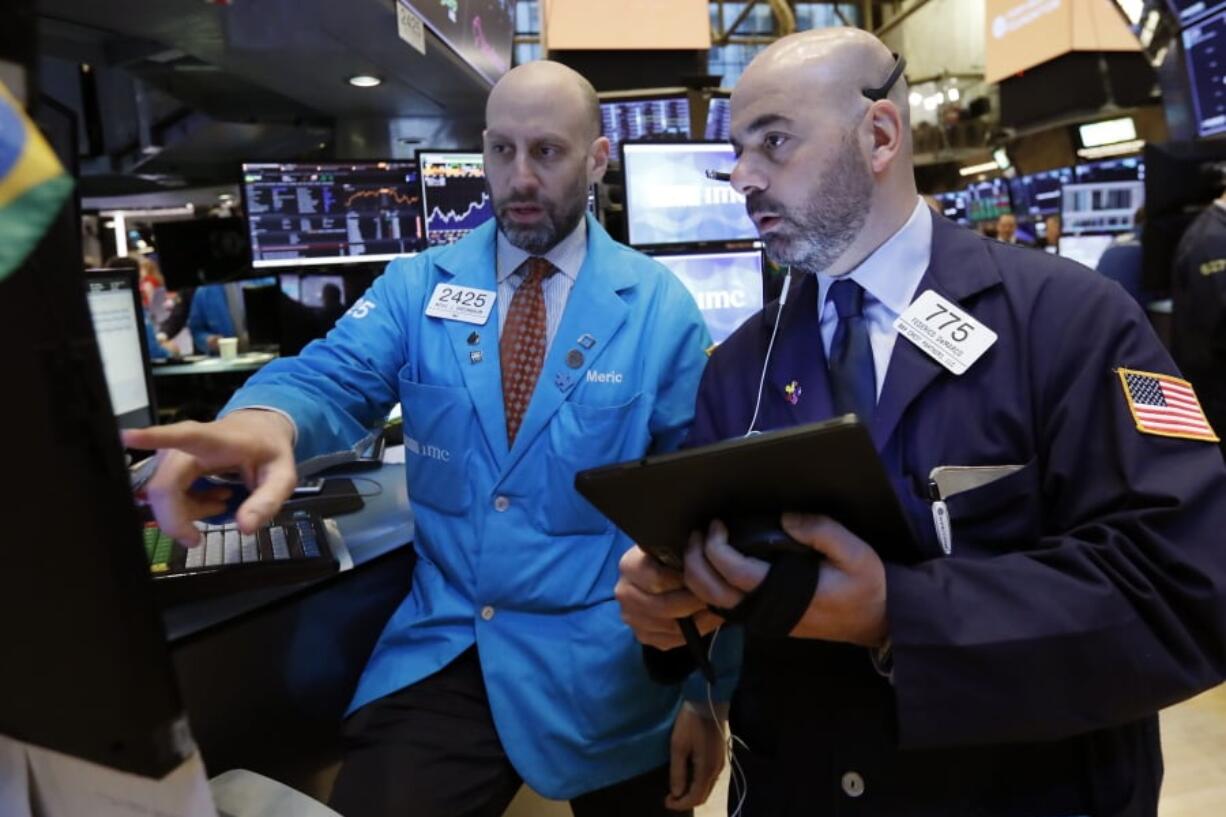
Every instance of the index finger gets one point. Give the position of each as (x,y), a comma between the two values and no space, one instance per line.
(185,436)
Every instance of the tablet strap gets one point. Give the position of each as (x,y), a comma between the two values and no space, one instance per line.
(776,605)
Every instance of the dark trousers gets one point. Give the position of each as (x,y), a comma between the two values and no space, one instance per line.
(431,750)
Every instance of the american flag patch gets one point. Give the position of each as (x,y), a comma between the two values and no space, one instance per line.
(1165,405)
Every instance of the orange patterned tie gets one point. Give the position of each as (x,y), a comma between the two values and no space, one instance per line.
(522,346)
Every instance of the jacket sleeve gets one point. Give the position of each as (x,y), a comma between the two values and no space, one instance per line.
(1119,608)
(343,385)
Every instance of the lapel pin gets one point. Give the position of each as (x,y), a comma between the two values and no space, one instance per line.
(587,341)
(562,381)
(475,357)
(792,392)
(473,340)
(574,358)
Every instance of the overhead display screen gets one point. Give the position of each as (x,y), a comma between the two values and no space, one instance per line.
(482,32)
(1203,44)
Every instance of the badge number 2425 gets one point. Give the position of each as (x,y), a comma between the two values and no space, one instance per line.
(458,303)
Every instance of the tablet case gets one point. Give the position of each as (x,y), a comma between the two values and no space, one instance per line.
(829,468)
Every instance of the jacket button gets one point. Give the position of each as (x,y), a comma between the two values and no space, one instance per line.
(487,612)
(501,503)
(853,784)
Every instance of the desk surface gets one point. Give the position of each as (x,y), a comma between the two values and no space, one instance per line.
(384,525)
(248,362)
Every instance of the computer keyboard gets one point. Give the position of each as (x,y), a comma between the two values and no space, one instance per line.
(296,546)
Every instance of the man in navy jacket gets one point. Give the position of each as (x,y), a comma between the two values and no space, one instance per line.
(1067,578)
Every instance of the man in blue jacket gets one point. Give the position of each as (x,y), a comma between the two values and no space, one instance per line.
(1067,577)
(532,349)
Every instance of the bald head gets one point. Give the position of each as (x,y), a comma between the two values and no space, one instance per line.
(543,149)
(827,68)
(825,169)
(561,93)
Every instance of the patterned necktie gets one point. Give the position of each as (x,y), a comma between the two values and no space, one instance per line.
(522,345)
(853,379)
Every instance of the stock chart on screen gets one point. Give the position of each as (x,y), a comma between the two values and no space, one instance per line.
(455,198)
(343,213)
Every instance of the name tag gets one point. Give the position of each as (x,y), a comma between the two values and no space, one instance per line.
(455,303)
(945,332)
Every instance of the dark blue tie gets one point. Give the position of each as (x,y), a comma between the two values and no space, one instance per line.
(853,380)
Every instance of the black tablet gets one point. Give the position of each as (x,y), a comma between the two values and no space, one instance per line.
(829,468)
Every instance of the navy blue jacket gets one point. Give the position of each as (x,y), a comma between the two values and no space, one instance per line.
(1085,591)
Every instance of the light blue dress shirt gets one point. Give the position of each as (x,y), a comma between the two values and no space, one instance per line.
(890,276)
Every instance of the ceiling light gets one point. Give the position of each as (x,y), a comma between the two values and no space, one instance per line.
(953,94)
(1119,149)
(365,81)
(916,98)
(976,169)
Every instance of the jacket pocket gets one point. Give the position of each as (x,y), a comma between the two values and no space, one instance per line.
(439,423)
(999,516)
(583,436)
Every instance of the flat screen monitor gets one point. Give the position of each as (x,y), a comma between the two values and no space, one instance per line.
(954,205)
(644,115)
(1085,249)
(1038,194)
(453,193)
(669,199)
(727,286)
(1204,46)
(119,328)
(1189,11)
(482,32)
(719,118)
(202,251)
(988,201)
(1104,196)
(341,213)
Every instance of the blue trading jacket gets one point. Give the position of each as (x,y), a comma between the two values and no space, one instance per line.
(510,556)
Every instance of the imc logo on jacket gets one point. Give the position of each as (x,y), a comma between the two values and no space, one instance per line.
(431,451)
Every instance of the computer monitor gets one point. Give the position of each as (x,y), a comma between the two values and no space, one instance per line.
(453,193)
(670,201)
(262,306)
(1037,195)
(954,205)
(662,113)
(1189,11)
(202,251)
(338,213)
(1204,46)
(1104,196)
(86,668)
(727,286)
(119,329)
(1085,249)
(719,117)
(988,201)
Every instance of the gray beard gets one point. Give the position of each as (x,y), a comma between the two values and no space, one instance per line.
(544,237)
(830,220)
